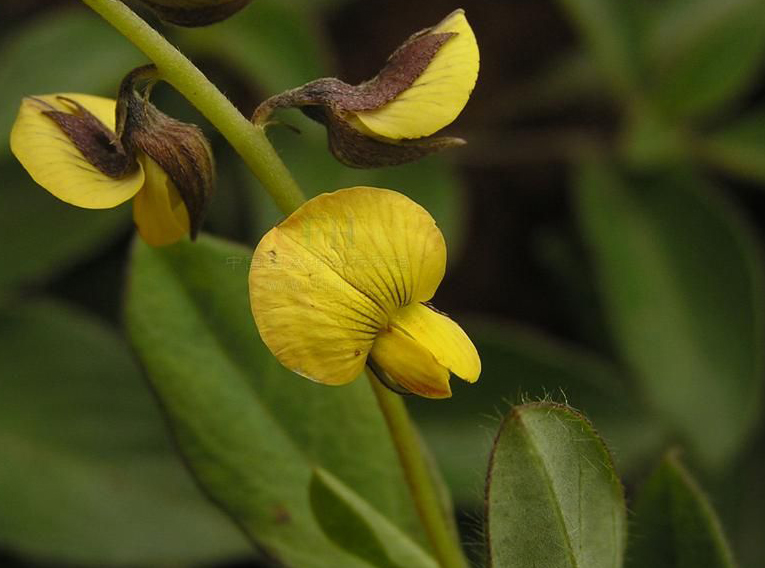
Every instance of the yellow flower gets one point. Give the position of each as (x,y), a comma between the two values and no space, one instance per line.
(58,164)
(438,94)
(389,119)
(345,279)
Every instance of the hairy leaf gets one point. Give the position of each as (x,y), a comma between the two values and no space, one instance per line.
(552,496)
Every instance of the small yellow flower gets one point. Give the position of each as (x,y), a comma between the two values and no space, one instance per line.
(344,281)
(389,119)
(438,94)
(57,163)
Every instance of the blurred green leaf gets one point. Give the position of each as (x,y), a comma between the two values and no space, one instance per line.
(650,141)
(738,147)
(674,525)
(552,497)
(251,431)
(275,44)
(40,235)
(681,278)
(61,52)
(610,29)
(87,474)
(704,53)
(351,523)
(519,364)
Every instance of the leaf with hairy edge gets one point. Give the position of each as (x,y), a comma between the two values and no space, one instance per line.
(681,278)
(458,429)
(674,525)
(251,431)
(552,496)
(351,523)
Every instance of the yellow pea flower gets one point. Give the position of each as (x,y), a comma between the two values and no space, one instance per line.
(345,280)
(389,119)
(438,94)
(56,163)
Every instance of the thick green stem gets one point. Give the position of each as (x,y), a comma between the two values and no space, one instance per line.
(251,143)
(418,476)
(247,139)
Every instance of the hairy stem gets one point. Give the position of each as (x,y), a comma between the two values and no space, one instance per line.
(247,139)
(251,143)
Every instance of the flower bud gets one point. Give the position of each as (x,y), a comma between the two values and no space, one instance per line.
(195,13)
(180,149)
(389,120)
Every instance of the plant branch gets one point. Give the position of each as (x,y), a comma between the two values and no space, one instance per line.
(251,143)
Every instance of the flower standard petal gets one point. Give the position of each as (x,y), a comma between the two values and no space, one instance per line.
(378,240)
(158,211)
(56,164)
(438,95)
(314,322)
(442,337)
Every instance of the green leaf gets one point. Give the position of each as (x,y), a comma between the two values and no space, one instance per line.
(521,364)
(704,53)
(61,52)
(681,278)
(739,147)
(87,474)
(273,43)
(351,523)
(41,236)
(674,525)
(610,29)
(251,431)
(552,496)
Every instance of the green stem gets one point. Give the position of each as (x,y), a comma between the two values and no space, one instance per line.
(417,473)
(251,143)
(247,139)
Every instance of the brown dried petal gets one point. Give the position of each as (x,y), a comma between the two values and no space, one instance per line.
(98,144)
(356,150)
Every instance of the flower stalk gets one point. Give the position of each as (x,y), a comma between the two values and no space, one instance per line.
(252,145)
(406,439)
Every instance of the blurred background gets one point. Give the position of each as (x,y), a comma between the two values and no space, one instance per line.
(604,227)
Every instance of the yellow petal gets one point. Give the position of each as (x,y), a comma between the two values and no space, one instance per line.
(442,337)
(54,161)
(379,241)
(439,94)
(313,321)
(158,211)
(410,364)
(324,281)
